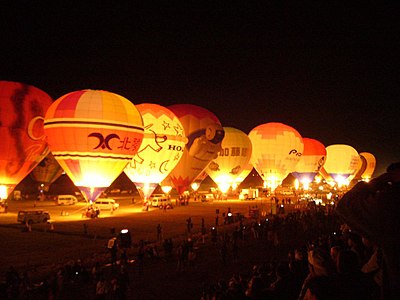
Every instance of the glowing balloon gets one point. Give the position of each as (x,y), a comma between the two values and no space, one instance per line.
(162,148)
(311,161)
(23,143)
(93,135)
(231,160)
(205,134)
(341,162)
(367,166)
(46,172)
(277,149)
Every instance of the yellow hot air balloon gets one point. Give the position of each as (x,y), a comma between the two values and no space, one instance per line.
(205,134)
(341,162)
(23,144)
(276,151)
(93,135)
(161,150)
(234,156)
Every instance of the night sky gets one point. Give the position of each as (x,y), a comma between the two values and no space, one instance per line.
(330,71)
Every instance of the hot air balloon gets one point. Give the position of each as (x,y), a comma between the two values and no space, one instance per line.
(311,161)
(366,168)
(205,134)
(23,143)
(277,149)
(341,162)
(93,135)
(234,156)
(46,172)
(162,148)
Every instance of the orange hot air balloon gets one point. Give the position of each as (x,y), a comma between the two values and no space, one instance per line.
(46,172)
(234,156)
(205,134)
(277,149)
(23,143)
(162,147)
(341,162)
(93,135)
(311,161)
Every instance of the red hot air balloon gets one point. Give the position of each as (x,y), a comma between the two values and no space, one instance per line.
(205,135)
(93,135)
(23,143)
(313,158)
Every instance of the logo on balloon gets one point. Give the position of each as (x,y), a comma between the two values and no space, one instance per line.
(104,141)
(295,152)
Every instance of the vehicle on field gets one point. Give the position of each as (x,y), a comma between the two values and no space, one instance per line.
(66,200)
(248,194)
(160,200)
(33,216)
(106,204)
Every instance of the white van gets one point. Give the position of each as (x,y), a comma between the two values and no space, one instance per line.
(106,204)
(159,200)
(66,200)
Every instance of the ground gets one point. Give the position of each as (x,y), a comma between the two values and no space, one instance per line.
(50,244)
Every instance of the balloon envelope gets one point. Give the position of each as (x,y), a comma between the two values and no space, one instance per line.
(232,159)
(162,148)
(23,143)
(46,172)
(311,161)
(341,162)
(276,151)
(205,134)
(93,135)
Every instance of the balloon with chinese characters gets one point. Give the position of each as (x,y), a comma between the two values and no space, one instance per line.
(161,150)
(46,172)
(277,148)
(23,144)
(232,159)
(311,161)
(341,162)
(93,135)
(205,135)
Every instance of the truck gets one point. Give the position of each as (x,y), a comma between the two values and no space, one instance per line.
(33,216)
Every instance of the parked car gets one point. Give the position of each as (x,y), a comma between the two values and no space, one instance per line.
(33,216)
(159,200)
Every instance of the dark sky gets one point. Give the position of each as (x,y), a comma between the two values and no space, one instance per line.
(331,71)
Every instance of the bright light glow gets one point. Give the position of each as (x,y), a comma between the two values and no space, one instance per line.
(223,187)
(124,230)
(234,186)
(321,188)
(195,186)
(93,179)
(146,188)
(318,179)
(3,192)
(296,184)
(306,184)
(166,189)
(329,196)
(340,180)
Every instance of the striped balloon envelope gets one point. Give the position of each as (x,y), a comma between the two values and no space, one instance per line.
(161,150)
(311,161)
(277,148)
(93,135)
(23,144)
